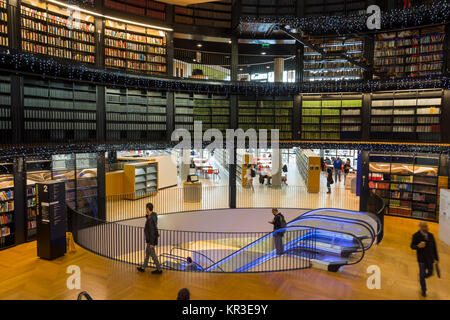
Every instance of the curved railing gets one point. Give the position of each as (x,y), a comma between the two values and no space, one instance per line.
(84,296)
(377,207)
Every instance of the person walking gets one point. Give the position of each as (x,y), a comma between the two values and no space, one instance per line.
(151,239)
(337,164)
(425,245)
(329,179)
(347,167)
(278,223)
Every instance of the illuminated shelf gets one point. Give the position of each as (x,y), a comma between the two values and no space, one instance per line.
(3,24)
(51,30)
(134,48)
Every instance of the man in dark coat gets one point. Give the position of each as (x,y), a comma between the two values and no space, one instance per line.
(151,239)
(425,245)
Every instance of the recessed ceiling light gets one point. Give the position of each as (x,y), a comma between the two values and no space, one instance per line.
(268,67)
(199,45)
(229,41)
(240,69)
(263,53)
(194,60)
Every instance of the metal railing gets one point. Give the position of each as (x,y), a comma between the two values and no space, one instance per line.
(377,207)
(126,243)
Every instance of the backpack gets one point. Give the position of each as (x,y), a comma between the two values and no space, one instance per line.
(252,173)
(283,223)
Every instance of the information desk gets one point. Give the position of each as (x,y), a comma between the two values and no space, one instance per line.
(192,191)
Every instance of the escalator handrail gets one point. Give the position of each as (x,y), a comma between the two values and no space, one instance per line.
(334,219)
(369,214)
(181,259)
(284,230)
(193,251)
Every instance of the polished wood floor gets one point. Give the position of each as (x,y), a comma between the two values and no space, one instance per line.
(24,276)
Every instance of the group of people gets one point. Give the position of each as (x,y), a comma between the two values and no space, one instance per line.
(264,173)
(422,241)
(338,166)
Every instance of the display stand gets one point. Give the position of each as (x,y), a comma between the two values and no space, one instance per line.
(51,219)
(192,192)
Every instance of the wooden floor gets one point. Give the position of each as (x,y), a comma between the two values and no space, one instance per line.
(24,276)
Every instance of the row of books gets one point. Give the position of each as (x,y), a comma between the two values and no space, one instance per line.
(5,219)
(31,202)
(69,22)
(64,125)
(5,231)
(145,48)
(7,195)
(56,41)
(409,59)
(4,28)
(135,118)
(138,66)
(410,51)
(336,73)
(428,39)
(6,206)
(135,37)
(136,127)
(134,55)
(4,41)
(59,115)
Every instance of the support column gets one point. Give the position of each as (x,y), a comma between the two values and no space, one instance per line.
(299,67)
(20,209)
(170,114)
(17,112)
(445,117)
(234,59)
(99,42)
(232,176)
(276,174)
(363,172)
(13,13)
(365,117)
(278,69)
(101,114)
(101,186)
(169,54)
(297,117)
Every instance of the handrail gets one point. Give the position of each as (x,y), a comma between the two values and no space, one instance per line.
(349,212)
(284,230)
(193,251)
(181,259)
(372,235)
(84,294)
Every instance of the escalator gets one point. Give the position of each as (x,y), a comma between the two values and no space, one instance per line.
(324,238)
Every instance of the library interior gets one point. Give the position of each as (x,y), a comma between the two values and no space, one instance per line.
(225,150)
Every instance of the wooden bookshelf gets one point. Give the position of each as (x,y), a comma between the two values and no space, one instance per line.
(7,214)
(410,53)
(141,179)
(308,164)
(134,48)
(3,24)
(331,116)
(266,113)
(212,14)
(59,111)
(135,114)
(37,171)
(409,184)
(56,31)
(148,8)
(5,109)
(333,67)
(413,115)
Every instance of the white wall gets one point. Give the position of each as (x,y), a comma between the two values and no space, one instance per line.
(168,175)
(444,216)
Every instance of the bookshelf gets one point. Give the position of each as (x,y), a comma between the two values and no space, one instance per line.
(134,48)
(221,157)
(59,111)
(331,116)
(243,159)
(410,53)
(3,23)
(335,7)
(135,114)
(266,113)
(406,115)
(409,184)
(308,164)
(333,67)
(214,14)
(184,111)
(212,110)
(148,8)
(86,182)
(7,214)
(57,31)
(37,171)
(5,109)
(141,179)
